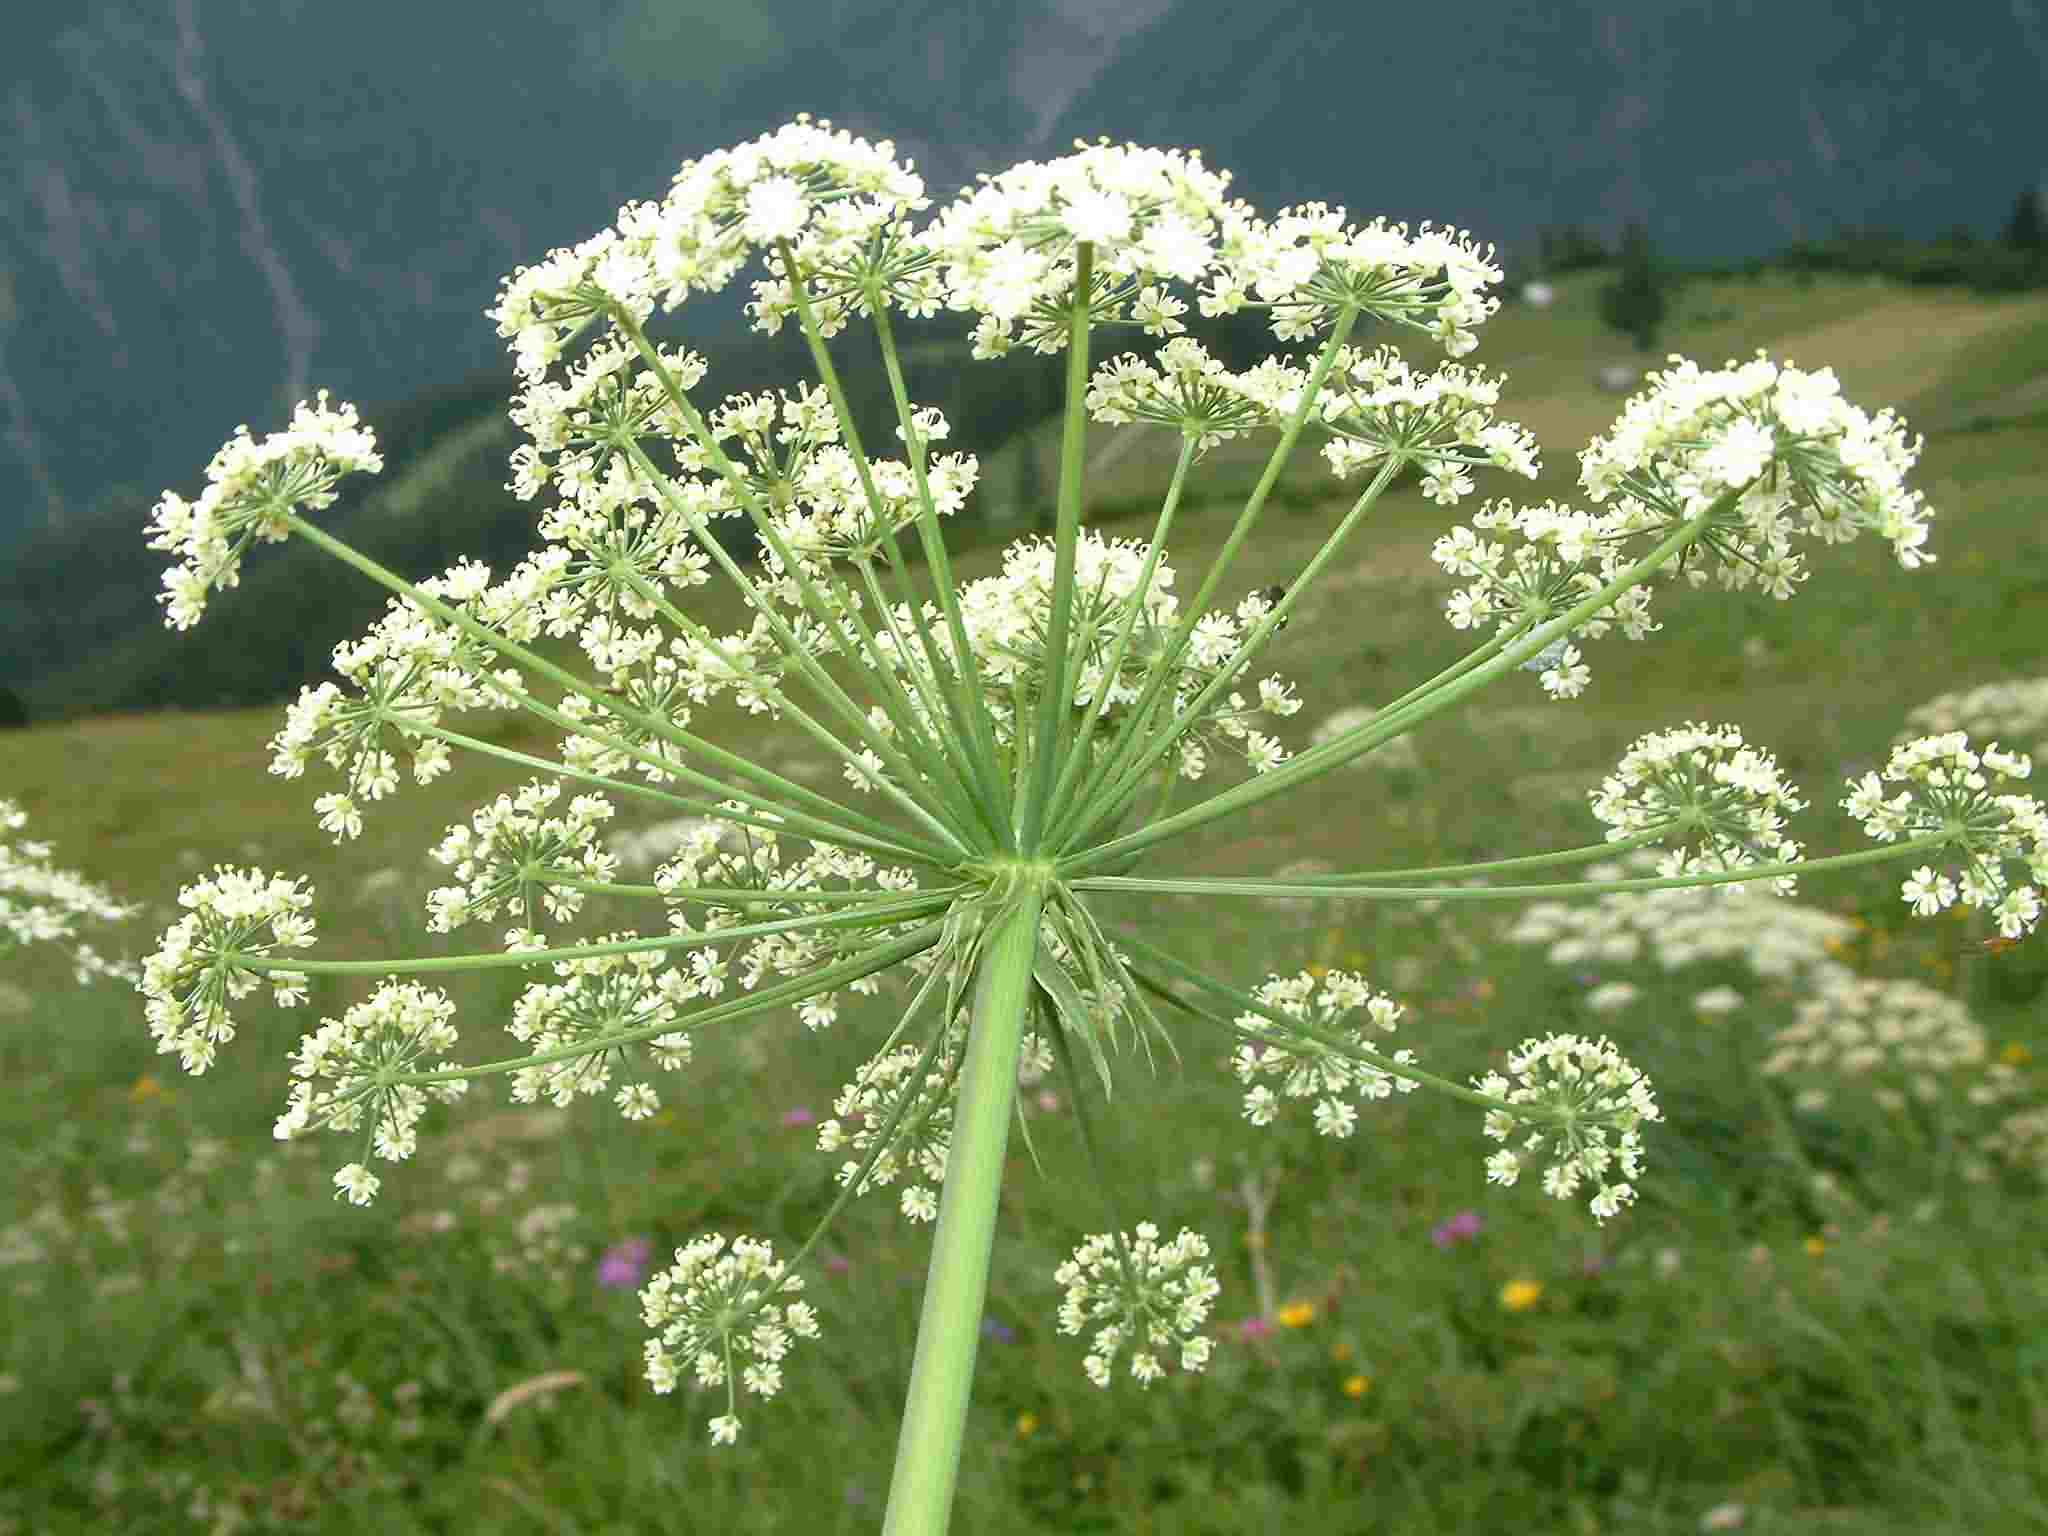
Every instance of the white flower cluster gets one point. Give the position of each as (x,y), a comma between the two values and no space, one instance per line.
(194,973)
(609,394)
(1905,1038)
(1591,1090)
(1307,1068)
(359,1055)
(1945,789)
(734,856)
(889,1087)
(251,486)
(1183,387)
(643,848)
(1540,578)
(1783,442)
(2013,710)
(1307,262)
(1378,407)
(601,996)
(1398,754)
(1778,940)
(834,197)
(1008,620)
(1722,802)
(41,903)
(1146,1295)
(718,1313)
(411,670)
(1008,248)
(510,855)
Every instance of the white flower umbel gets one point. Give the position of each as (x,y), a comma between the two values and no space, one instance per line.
(1590,1091)
(42,904)
(722,1315)
(1007,750)
(1148,1297)
(1945,790)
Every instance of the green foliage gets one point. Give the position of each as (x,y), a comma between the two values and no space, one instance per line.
(1635,302)
(2027,229)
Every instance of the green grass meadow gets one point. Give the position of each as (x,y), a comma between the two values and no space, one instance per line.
(194,1336)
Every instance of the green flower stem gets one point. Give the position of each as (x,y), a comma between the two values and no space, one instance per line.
(886,841)
(969,746)
(1053,703)
(979,735)
(1111,802)
(795,821)
(822,612)
(1114,671)
(733,895)
(1328,891)
(822,680)
(1455,670)
(1582,855)
(824,979)
(876,915)
(956,1285)
(1388,724)
(1290,1031)
(1129,737)
(954,833)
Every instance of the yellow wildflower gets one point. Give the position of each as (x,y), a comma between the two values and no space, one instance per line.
(1354,1386)
(1296,1314)
(1027,1425)
(1816,1246)
(1520,1295)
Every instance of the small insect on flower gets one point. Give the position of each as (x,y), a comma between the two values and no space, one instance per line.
(1272,595)
(1986,949)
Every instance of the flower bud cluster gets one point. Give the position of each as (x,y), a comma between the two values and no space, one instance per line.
(1721,802)
(737,856)
(1146,1295)
(1008,619)
(1310,1068)
(608,397)
(1007,250)
(359,1056)
(719,1313)
(1783,443)
(194,974)
(1946,789)
(600,997)
(509,855)
(1307,262)
(251,486)
(41,903)
(1588,1090)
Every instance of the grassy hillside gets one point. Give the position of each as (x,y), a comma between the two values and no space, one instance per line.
(193,1324)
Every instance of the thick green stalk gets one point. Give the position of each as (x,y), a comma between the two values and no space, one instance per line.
(956,1285)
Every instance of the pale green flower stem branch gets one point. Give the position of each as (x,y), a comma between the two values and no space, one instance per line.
(1391,723)
(1116,798)
(795,821)
(956,1284)
(832,616)
(1088,807)
(885,844)
(1329,889)
(1290,1032)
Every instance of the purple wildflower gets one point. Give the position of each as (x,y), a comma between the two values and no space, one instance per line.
(1460,1227)
(624,1265)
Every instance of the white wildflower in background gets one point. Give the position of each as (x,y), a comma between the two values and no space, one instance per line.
(1146,1297)
(40,903)
(2014,710)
